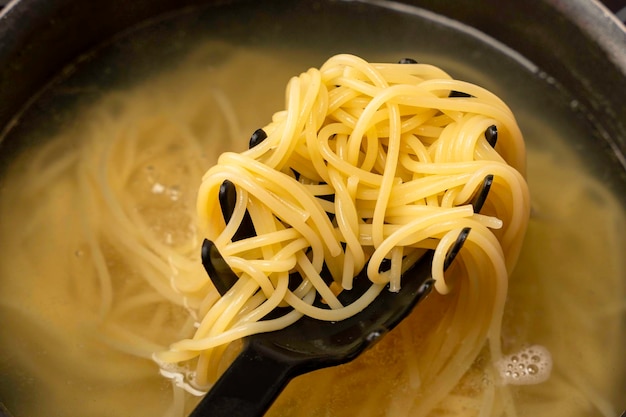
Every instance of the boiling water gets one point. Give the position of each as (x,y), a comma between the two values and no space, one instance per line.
(567,294)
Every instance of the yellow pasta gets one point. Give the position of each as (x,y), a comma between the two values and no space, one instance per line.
(401,153)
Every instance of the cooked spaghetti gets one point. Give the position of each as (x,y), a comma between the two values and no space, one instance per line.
(369,166)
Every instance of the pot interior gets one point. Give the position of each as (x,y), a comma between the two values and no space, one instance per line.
(219,72)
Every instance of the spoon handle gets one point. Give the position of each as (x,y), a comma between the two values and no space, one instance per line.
(250,385)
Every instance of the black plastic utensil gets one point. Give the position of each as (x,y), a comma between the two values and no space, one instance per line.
(228,197)
(478,198)
(219,271)
(268,361)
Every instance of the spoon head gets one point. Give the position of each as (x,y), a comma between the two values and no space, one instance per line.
(315,344)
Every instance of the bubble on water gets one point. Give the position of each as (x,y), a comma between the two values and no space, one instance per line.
(158,188)
(173,192)
(181,375)
(150,173)
(532,369)
(531,365)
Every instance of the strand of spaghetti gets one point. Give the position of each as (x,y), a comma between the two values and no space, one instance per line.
(99,261)
(490,245)
(238,332)
(347,276)
(418,97)
(484,95)
(244,180)
(339,97)
(415,190)
(477,92)
(266,222)
(371,150)
(389,173)
(317,117)
(386,96)
(124,222)
(410,95)
(272,301)
(230,311)
(417,148)
(265,239)
(484,151)
(253,270)
(365,235)
(518,198)
(309,273)
(404,211)
(395,271)
(470,132)
(352,261)
(347,220)
(283,261)
(296,192)
(347,61)
(408,229)
(335,314)
(132,302)
(236,218)
(409,124)
(436,231)
(448,168)
(488,399)
(344,167)
(438,148)
(257,300)
(444,245)
(242,286)
(451,363)
(313,146)
(488,221)
(277,183)
(311,82)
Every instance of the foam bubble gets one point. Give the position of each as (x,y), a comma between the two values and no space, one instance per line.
(531,365)
(180,375)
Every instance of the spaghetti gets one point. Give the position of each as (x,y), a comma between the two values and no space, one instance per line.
(369,166)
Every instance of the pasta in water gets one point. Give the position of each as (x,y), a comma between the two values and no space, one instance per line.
(369,166)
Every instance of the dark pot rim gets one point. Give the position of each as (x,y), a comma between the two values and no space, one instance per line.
(588,57)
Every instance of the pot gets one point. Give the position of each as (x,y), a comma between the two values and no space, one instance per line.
(576,49)
(39,38)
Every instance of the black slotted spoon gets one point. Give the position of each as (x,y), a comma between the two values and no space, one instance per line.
(268,361)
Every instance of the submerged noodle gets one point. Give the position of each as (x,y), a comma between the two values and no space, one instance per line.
(400,155)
